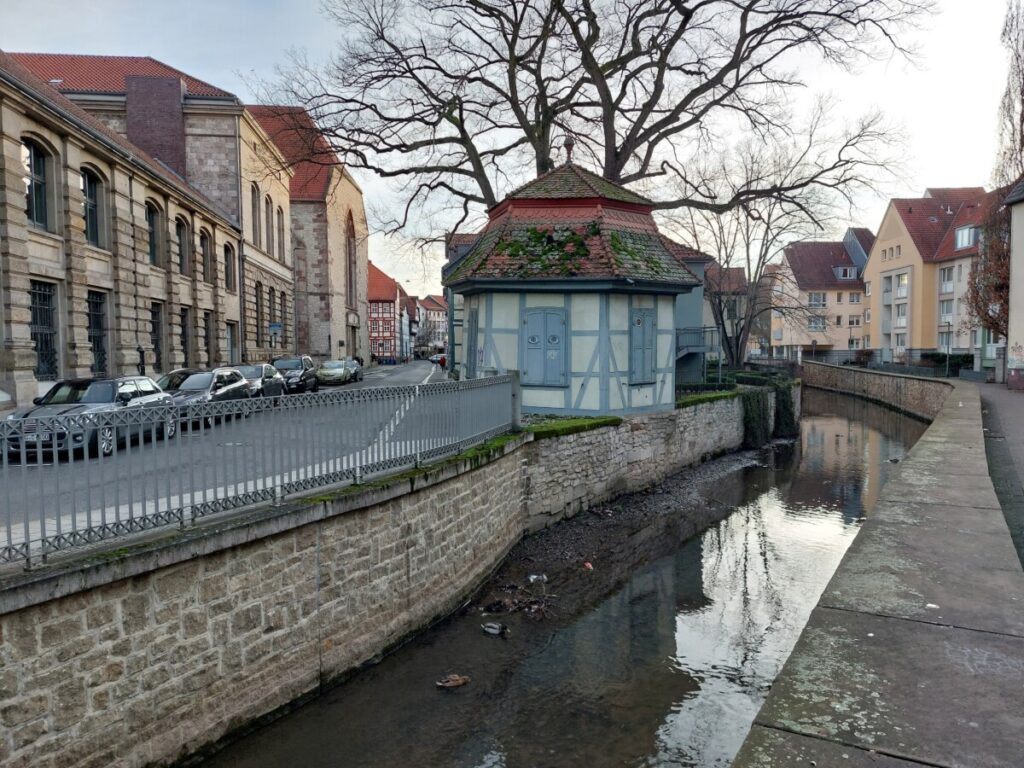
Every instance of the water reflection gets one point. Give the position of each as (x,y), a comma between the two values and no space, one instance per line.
(669,669)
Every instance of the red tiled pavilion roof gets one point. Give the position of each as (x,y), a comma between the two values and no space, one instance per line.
(79,73)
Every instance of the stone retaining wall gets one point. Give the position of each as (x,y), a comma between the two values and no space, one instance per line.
(146,655)
(919,397)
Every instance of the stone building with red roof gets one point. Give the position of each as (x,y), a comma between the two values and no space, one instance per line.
(571,283)
(118,258)
(207,139)
(918,273)
(330,237)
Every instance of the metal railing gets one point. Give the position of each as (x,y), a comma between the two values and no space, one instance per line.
(696,340)
(72,480)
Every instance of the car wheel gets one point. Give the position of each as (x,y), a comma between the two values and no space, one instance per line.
(316,386)
(169,428)
(104,441)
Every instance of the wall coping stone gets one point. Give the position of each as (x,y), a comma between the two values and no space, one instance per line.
(89,570)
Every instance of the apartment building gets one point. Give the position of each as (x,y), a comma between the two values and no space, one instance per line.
(918,273)
(819,297)
(111,262)
(433,335)
(204,136)
(330,238)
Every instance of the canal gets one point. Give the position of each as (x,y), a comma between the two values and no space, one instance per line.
(646,645)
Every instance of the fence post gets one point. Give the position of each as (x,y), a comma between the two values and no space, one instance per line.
(517,402)
(416,401)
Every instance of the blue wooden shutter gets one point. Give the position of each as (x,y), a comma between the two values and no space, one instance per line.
(472,321)
(533,344)
(554,348)
(642,335)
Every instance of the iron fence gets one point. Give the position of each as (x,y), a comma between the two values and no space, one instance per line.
(73,479)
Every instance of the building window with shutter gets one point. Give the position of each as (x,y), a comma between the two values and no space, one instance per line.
(642,330)
(544,343)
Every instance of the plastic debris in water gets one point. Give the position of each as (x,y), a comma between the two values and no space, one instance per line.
(495,628)
(932,606)
(452,681)
(537,578)
(588,566)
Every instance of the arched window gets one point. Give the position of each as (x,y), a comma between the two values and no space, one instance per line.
(37,165)
(92,208)
(184,243)
(255,204)
(260,329)
(229,268)
(272,306)
(350,261)
(153,224)
(282,252)
(268,220)
(209,273)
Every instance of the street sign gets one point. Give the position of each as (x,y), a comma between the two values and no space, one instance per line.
(276,329)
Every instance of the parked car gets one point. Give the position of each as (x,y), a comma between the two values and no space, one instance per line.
(355,368)
(264,380)
(84,397)
(333,372)
(190,387)
(299,373)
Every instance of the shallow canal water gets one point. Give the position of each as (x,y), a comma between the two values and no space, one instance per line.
(667,667)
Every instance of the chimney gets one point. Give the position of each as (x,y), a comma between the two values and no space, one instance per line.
(156,120)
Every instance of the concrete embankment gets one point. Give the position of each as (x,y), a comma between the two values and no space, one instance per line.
(915,652)
(148,654)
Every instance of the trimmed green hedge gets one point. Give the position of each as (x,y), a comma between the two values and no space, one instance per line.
(711,386)
(559,427)
(689,401)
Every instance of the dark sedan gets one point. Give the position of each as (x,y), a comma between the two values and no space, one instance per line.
(192,387)
(56,422)
(264,380)
(299,373)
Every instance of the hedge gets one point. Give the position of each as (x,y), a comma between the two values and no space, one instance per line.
(559,427)
(689,401)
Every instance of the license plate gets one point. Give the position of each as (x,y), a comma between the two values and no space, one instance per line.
(38,436)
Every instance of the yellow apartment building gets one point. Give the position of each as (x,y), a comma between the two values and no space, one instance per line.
(819,298)
(918,273)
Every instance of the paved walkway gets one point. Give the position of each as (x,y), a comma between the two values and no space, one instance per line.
(1003,417)
(915,652)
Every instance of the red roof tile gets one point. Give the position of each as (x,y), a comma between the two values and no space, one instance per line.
(79,73)
(971,214)
(865,237)
(380,286)
(303,146)
(57,101)
(570,181)
(812,265)
(434,304)
(928,219)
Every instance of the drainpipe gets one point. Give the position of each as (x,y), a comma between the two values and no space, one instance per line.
(242,349)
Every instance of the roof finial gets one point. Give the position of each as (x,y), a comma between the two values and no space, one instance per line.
(568,144)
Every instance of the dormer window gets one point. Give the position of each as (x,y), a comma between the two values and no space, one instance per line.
(846,273)
(966,237)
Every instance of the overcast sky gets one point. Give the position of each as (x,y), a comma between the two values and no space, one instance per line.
(946,104)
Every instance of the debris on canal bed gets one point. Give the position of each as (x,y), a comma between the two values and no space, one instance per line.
(452,681)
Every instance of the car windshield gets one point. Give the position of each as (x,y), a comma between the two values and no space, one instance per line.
(251,371)
(334,364)
(197,381)
(291,364)
(67,392)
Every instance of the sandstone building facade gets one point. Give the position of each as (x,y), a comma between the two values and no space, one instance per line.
(330,238)
(206,139)
(108,258)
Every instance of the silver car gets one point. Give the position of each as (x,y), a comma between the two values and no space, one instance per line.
(60,422)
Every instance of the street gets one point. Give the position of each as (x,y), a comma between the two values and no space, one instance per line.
(208,464)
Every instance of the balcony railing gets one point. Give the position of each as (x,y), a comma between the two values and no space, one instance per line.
(946,288)
(901,293)
(886,298)
(901,322)
(693,340)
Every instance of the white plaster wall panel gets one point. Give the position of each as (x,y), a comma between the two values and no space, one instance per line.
(586,312)
(505,311)
(506,349)
(642,396)
(642,301)
(591,389)
(619,360)
(545,300)
(583,352)
(543,398)
(618,312)
(666,312)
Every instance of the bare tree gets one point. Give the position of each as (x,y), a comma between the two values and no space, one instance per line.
(1010,156)
(460,100)
(746,285)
